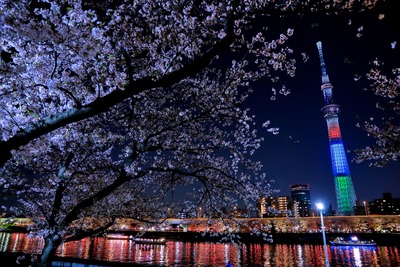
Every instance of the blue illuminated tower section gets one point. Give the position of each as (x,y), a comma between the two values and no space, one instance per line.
(345,195)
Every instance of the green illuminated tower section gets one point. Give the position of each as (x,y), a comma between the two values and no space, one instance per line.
(345,195)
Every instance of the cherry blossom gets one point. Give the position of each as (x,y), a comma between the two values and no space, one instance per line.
(385,131)
(109,107)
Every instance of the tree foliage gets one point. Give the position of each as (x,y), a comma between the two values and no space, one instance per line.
(111,108)
(386,130)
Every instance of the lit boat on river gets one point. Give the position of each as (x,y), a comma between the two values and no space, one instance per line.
(353,241)
(149,241)
(118,237)
(138,240)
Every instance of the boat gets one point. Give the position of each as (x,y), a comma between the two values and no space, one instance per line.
(138,240)
(353,241)
(119,237)
(150,241)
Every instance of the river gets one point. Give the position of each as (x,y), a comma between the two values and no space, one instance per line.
(209,254)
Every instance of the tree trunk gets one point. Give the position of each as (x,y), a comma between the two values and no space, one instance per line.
(48,252)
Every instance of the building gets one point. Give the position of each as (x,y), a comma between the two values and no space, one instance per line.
(262,206)
(284,206)
(270,207)
(345,194)
(361,208)
(385,206)
(301,201)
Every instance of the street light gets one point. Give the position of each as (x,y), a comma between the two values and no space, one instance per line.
(365,208)
(320,207)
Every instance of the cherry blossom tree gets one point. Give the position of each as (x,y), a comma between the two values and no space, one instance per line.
(386,131)
(108,108)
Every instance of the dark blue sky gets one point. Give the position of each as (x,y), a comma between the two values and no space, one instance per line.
(298,115)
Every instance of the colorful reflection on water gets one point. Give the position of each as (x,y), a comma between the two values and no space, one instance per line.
(209,254)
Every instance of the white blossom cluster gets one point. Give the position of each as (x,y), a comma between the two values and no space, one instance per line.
(109,107)
(385,131)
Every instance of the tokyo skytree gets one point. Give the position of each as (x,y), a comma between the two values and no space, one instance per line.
(345,195)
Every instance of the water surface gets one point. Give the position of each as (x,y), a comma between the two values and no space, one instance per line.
(209,254)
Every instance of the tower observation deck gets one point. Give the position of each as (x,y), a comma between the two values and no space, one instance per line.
(345,195)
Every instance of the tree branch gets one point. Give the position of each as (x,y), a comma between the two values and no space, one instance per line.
(61,185)
(103,104)
(82,234)
(78,208)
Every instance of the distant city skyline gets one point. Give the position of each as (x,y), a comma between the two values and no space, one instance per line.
(299,154)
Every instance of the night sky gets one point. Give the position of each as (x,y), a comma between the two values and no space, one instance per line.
(300,153)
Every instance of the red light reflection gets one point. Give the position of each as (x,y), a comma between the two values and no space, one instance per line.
(207,254)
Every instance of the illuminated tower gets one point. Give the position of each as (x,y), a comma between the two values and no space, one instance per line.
(345,195)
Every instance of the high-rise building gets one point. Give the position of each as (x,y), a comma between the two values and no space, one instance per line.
(345,195)
(385,206)
(301,201)
(262,206)
(283,205)
(273,206)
